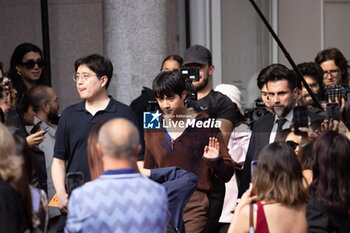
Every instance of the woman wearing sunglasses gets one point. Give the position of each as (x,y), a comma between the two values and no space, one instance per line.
(26,68)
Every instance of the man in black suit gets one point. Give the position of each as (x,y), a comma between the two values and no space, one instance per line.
(283,92)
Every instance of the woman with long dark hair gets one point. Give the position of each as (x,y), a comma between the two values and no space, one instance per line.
(26,71)
(329,207)
(26,68)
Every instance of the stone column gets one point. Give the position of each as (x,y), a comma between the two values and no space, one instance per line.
(138,34)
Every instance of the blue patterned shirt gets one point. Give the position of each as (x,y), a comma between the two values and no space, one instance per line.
(118,201)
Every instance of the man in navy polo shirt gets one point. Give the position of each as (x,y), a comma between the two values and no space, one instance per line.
(92,77)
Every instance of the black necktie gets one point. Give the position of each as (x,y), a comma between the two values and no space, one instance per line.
(280,123)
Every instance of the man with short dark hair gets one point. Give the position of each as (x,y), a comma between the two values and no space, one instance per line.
(182,140)
(261,83)
(283,88)
(45,106)
(92,77)
(313,76)
(283,92)
(121,199)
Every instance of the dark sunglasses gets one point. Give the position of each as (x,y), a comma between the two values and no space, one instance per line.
(31,63)
(292,144)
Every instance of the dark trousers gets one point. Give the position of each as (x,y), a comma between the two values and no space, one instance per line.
(216,199)
(61,223)
(223,227)
(52,226)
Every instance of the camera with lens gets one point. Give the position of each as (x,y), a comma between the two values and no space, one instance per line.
(190,74)
(152,106)
(335,91)
(253,114)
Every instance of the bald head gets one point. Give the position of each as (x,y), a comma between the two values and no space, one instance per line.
(119,139)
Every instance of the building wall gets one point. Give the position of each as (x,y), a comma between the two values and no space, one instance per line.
(76,29)
(299,28)
(336,30)
(138,35)
(245,46)
(306,27)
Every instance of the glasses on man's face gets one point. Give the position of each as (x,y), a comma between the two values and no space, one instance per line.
(30,64)
(330,72)
(83,77)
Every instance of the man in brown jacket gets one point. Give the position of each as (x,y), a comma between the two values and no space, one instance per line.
(189,140)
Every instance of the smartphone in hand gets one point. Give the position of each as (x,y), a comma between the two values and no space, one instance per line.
(36,127)
(74,180)
(253,166)
(300,119)
(333,112)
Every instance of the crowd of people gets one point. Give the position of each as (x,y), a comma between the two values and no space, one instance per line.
(174,161)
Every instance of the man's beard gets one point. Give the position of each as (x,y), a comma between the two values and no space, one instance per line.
(286,109)
(305,101)
(310,101)
(202,83)
(52,116)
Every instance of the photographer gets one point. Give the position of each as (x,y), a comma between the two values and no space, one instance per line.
(217,106)
(213,103)
(335,72)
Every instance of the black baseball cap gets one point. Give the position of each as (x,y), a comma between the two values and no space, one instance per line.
(197,54)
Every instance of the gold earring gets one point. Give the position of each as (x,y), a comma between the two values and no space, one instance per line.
(18,72)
